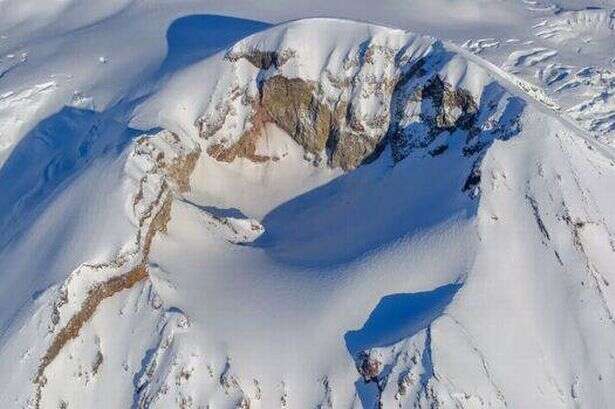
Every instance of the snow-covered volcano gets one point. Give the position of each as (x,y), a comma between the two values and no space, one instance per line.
(323,214)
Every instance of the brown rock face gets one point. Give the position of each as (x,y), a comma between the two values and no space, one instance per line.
(337,129)
(291,104)
(247,144)
(351,150)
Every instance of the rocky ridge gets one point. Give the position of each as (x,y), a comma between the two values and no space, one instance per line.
(165,163)
(381,96)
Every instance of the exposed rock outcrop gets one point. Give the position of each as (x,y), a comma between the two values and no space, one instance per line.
(292,105)
(369,367)
(435,107)
(174,169)
(381,97)
(322,116)
(262,59)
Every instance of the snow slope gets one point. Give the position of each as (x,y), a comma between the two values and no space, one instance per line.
(466,263)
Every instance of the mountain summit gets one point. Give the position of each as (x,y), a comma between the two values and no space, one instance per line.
(324,213)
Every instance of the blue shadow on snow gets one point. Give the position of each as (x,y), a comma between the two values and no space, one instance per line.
(195,37)
(399,316)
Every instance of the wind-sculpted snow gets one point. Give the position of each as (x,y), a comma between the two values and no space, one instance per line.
(322,214)
(569,53)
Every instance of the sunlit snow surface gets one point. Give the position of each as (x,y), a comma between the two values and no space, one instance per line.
(498,300)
